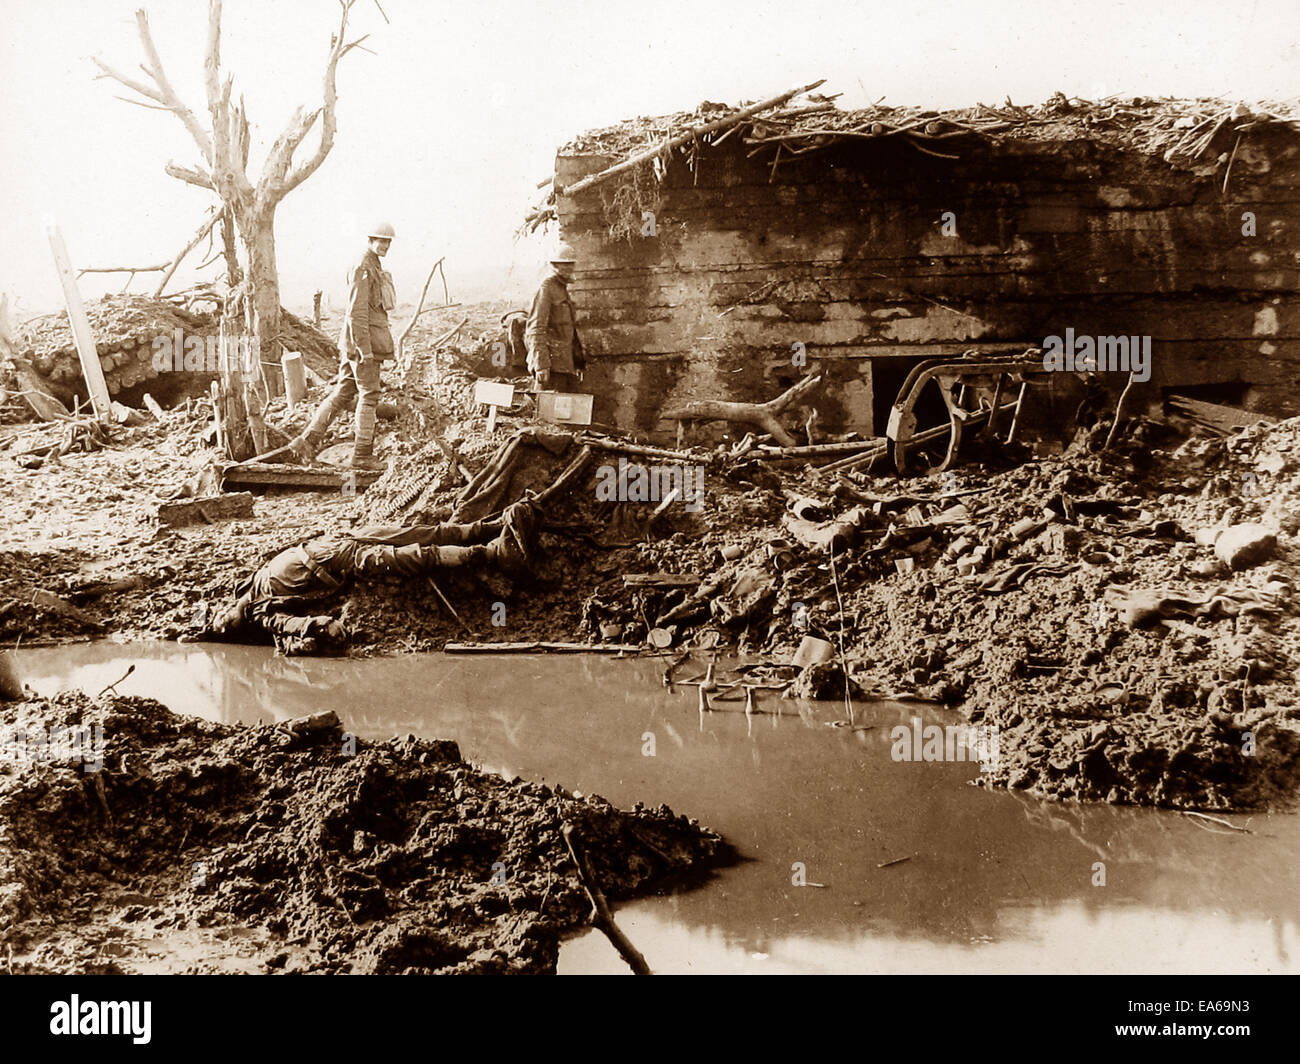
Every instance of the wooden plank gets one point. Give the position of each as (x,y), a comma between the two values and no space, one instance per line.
(94,373)
(660,580)
(1215,416)
(540,648)
(270,474)
(208,510)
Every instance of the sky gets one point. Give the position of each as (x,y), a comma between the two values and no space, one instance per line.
(446,127)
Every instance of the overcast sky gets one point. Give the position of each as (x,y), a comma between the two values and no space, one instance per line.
(446,130)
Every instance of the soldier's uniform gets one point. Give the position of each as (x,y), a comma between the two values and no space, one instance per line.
(364,343)
(552,336)
(284,597)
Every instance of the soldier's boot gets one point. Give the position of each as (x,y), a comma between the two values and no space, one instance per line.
(512,550)
(363,450)
(307,445)
(303,449)
(520,528)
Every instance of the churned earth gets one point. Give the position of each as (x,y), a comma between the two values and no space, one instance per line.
(204,847)
(1087,603)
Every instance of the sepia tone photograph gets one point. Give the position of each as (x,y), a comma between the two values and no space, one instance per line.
(697,489)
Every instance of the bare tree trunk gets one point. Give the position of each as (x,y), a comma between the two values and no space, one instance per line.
(240,445)
(234,275)
(259,238)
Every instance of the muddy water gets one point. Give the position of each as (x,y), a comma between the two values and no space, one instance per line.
(993,881)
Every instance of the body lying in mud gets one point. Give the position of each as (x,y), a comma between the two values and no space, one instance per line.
(319,851)
(278,599)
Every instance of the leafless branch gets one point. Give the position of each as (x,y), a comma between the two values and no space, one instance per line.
(189,176)
(130,83)
(329,91)
(195,240)
(154,67)
(123,269)
(141,103)
(168,268)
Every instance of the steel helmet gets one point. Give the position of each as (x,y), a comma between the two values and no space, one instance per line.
(564,253)
(382,231)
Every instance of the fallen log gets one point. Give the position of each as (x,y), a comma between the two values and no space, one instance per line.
(1214,417)
(208,510)
(815,450)
(764,415)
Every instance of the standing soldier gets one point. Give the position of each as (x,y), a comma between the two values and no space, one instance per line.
(364,343)
(555,355)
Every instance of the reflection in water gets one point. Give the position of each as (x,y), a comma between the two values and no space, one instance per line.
(992,881)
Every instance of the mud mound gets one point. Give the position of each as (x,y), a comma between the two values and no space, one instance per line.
(1157,759)
(361,857)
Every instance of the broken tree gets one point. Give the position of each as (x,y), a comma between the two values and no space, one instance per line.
(224,153)
(764,415)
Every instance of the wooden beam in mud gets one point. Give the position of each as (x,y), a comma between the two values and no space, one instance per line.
(539,647)
(206,511)
(307,478)
(660,580)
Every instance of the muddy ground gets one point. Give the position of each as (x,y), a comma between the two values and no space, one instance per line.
(1018,607)
(202,847)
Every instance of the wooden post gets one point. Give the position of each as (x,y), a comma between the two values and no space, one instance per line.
(100,401)
(295,378)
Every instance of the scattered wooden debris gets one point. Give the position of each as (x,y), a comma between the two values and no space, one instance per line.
(691,135)
(36,393)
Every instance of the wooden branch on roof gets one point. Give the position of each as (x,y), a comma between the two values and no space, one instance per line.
(716,126)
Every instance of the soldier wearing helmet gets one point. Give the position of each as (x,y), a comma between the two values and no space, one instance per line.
(555,356)
(364,342)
